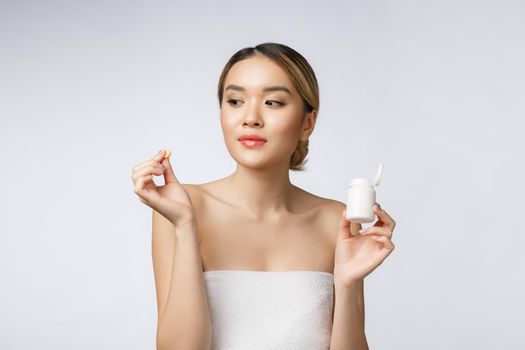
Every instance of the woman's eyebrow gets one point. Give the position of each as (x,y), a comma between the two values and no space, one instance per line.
(266,89)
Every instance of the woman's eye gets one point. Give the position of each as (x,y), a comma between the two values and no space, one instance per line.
(278,103)
(230,101)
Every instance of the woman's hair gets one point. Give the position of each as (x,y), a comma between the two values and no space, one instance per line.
(301,75)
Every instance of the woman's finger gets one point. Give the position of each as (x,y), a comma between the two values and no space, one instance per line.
(145,175)
(140,189)
(157,159)
(169,175)
(374,230)
(151,169)
(141,183)
(145,164)
(387,243)
(384,217)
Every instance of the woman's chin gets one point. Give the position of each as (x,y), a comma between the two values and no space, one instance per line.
(252,163)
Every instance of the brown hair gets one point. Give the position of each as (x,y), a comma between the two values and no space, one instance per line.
(301,75)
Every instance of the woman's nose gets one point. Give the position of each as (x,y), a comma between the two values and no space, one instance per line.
(253,117)
(252,122)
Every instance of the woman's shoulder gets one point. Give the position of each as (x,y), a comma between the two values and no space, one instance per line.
(203,196)
(331,214)
(200,193)
(327,205)
(329,211)
(328,217)
(194,191)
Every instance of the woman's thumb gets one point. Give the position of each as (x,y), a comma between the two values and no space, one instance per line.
(169,175)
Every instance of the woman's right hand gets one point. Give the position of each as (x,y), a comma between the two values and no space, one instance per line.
(171,200)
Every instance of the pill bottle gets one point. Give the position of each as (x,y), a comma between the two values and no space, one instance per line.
(361,198)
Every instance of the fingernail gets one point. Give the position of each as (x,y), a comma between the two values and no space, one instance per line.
(168,153)
(377,206)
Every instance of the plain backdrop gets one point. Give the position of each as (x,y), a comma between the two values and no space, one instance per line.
(433,89)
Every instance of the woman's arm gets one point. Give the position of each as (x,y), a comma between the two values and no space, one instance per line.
(183,314)
(348,329)
(357,255)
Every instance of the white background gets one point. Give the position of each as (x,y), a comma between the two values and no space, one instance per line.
(434,89)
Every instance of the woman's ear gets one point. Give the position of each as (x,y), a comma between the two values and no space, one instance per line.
(308,124)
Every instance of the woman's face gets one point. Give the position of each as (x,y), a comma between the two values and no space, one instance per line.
(259,98)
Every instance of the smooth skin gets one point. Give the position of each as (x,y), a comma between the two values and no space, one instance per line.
(255,218)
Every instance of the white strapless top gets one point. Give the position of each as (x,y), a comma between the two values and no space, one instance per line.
(268,310)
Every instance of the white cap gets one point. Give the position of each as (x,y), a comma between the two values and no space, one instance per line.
(366,182)
(361,181)
(378,176)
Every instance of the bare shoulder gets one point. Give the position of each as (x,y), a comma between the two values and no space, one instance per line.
(198,192)
(331,215)
(326,205)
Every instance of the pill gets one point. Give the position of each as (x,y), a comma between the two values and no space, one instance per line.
(168,153)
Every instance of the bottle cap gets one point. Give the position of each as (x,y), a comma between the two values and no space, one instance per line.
(361,181)
(378,176)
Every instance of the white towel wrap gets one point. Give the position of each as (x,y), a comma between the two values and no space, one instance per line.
(268,310)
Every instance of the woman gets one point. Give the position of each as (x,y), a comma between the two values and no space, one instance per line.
(251,261)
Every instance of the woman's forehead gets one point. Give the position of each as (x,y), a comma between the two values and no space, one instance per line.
(257,75)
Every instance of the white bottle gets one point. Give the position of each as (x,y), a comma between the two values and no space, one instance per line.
(361,198)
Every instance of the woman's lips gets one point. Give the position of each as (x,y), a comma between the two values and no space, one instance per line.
(252,143)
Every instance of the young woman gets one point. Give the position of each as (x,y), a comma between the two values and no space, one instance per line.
(250,261)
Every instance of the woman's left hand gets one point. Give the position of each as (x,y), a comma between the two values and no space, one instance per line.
(357,256)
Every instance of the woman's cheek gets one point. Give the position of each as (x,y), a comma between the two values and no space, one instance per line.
(282,127)
(228,122)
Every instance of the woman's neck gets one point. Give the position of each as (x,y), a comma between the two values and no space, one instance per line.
(264,192)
